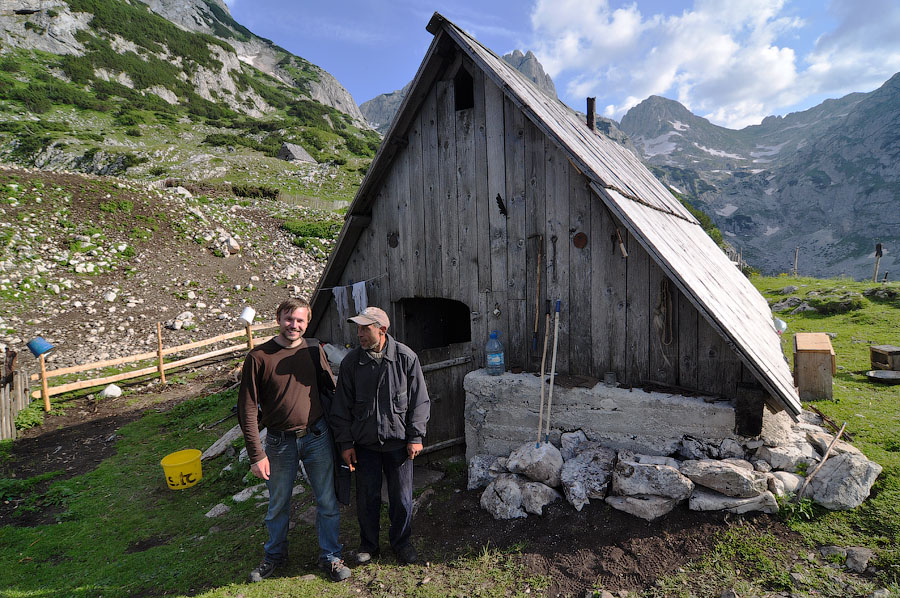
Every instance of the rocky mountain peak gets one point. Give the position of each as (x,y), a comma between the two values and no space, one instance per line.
(528,65)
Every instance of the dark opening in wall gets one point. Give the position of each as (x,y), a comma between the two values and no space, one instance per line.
(431,323)
(464,90)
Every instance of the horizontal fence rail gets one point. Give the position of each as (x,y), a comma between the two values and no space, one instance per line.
(160,367)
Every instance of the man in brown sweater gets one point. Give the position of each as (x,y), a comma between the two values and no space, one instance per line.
(280,391)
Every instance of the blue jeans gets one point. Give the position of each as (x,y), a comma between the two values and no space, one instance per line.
(398,470)
(316,451)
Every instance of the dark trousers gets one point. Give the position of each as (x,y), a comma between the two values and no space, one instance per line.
(398,470)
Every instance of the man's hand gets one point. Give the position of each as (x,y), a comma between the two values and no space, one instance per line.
(349,457)
(413,449)
(261,468)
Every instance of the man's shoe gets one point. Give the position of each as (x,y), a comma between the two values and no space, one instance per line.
(336,570)
(406,554)
(365,556)
(265,569)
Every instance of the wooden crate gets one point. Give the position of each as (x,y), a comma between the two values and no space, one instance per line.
(885,357)
(814,365)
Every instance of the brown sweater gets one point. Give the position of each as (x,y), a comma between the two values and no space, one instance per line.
(279,385)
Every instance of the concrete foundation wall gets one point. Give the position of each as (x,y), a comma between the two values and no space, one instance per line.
(502,414)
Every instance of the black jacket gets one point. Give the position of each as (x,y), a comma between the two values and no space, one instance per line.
(380,406)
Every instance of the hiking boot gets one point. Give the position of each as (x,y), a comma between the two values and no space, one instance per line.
(265,569)
(406,554)
(336,570)
(364,556)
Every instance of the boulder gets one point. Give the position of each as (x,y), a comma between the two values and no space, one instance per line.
(568,442)
(586,475)
(709,500)
(775,485)
(695,448)
(730,448)
(858,558)
(110,392)
(503,498)
(632,479)
(821,440)
(480,471)
(540,463)
(626,455)
(788,457)
(645,507)
(535,496)
(790,481)
(843,482)
(726,478)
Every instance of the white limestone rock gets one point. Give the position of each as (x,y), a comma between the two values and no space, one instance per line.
(540,463)
(821,440)
(788,457)
(503,498)
(645,507)
(110,392)
(586,475)
(535,496)
(569,441)
(480,474)
(626,455)
(218,510)
(633,479)
(727,478)
(790,481)
(709,500)
(843,482)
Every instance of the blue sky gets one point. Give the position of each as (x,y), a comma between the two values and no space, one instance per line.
(731,61)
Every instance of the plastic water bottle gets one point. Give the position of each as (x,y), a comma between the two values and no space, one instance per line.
(493,350)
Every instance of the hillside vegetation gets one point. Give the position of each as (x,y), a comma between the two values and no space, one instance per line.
(142,96)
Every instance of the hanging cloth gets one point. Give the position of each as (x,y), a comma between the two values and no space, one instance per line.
(340,301)
(360,300)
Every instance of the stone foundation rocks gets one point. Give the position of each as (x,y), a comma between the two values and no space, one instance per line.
(649,486)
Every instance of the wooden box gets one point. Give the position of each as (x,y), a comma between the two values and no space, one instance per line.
(885,357)
(814,365)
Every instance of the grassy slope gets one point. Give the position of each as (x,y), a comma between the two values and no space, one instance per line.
(124,502)
(56,108)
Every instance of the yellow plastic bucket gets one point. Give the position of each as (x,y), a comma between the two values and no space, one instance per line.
(182,469)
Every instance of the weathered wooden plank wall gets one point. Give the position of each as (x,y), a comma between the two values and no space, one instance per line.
(619,314)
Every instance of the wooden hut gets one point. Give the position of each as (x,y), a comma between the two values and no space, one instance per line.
(487,199)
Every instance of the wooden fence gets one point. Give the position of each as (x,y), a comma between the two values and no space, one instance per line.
(13,394)
(159,367)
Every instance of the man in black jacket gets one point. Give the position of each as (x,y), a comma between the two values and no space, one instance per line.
(379,416)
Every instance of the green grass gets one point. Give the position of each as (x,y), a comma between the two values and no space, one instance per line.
(121,532)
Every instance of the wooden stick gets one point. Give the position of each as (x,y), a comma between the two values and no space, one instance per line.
(552,369)
(830,422)
(543,364)
(796,260)
(44,392)
(159,353)
(821,463)
(249,337)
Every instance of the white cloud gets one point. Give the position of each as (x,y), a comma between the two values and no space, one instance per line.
(727,60)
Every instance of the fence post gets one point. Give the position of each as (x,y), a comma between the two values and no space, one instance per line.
(5,409)
(45,392)
(249,336)
(162,370)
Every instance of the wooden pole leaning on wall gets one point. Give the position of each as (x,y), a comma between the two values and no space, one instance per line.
(44,391)
(159,353)
(796,260)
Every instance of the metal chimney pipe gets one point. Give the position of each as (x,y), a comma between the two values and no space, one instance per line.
(591,105)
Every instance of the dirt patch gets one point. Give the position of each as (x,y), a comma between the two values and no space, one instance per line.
(79,439)
(578,551)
